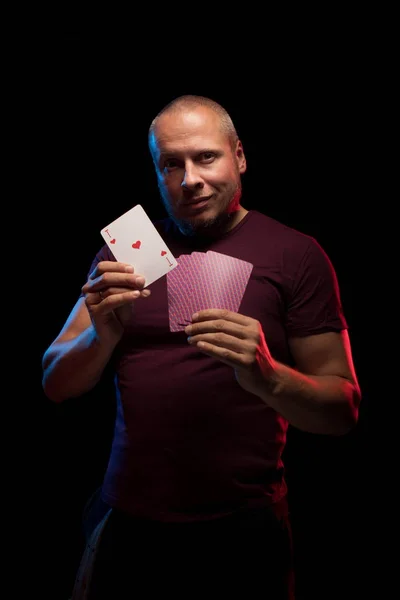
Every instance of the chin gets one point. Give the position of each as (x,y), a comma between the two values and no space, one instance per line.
(211,219)
(204,223)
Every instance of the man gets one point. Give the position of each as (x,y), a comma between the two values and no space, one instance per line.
(195,478)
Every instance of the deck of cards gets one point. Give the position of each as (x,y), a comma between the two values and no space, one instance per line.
(133,239)
(205,280)
(202,280)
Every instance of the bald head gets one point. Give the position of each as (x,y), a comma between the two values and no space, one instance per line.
(190,103)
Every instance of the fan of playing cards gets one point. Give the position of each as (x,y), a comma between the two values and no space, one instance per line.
(203,279)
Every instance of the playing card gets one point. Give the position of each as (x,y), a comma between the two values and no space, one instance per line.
(201,291)
(226,278)
(206,280)
(133,239)
(192,284)
(178,295)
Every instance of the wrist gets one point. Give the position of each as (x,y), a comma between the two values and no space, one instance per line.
(106,340)
(266,378)
(272,377)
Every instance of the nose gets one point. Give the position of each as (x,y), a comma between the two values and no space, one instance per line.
(192,179)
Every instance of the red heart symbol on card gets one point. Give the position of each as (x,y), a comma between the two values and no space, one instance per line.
(163,253)
(113,241)
(136,244)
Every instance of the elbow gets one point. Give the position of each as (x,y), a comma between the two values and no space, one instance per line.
(355,400)
(350,415)
(52,387)
(52,392)
(348,424)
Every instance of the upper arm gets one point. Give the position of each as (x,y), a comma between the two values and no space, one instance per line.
(326,353)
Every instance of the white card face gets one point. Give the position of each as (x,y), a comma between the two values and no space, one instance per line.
(133,239)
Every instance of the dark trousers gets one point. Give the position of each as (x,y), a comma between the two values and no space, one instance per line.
(248,555)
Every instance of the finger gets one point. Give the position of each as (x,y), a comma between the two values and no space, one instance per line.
(109,265)
(222,341)
(113,300)
(107,280)
(109,303)
(224,355)
(220,313)
(214,327)
(117,290)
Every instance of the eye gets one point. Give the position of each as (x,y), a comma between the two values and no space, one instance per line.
(170,163)
(207,156)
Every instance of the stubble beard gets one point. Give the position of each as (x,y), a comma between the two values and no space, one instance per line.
(212,226)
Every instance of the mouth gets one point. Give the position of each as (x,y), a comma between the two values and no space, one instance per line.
(199,201)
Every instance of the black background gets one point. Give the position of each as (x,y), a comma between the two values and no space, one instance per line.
(302,124)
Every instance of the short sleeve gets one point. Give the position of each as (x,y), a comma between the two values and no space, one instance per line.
(314,305)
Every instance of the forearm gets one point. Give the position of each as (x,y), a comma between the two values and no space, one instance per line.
(325,404)
(73,367)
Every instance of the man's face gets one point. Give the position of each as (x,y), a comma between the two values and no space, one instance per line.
(197,169)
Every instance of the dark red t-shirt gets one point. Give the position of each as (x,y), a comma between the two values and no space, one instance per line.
(189,442)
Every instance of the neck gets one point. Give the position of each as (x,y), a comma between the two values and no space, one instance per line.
(238,215)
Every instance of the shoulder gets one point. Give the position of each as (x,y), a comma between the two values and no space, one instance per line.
(276,230)
(299,249)
(290,247)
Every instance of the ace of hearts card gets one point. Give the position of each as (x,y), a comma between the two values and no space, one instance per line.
(133,239)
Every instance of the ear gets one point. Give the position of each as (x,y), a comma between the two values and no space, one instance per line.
(240,157)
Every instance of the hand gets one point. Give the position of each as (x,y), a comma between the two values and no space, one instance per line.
(237,341)
(110,291)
